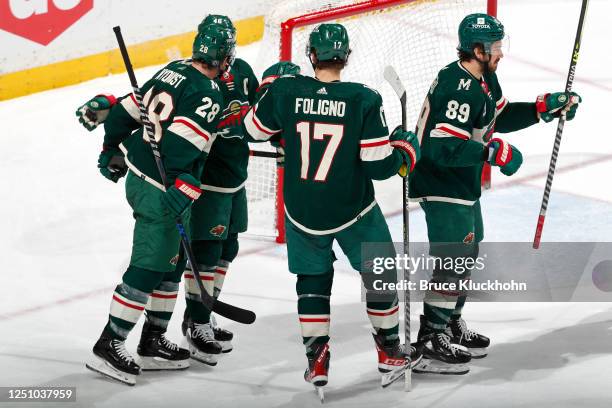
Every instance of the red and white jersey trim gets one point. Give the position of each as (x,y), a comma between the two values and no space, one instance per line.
(189,130)
(375,149)
(267,80)
(255,128)
(314,325)
(500,105)
(131,107)
(448,130)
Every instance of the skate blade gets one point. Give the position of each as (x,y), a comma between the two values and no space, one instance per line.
(226,346)
(102,367)
(320,393)
(208,359)
(428,366)
(478,352)
(161,364)
(391,376)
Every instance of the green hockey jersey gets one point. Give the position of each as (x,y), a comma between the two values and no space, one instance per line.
(458,118)
(226,166)
(336,141)
(184,107)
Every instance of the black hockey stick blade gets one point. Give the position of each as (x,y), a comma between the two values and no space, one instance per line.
(234,313)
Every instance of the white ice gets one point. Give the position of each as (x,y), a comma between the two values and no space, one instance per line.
(66,233)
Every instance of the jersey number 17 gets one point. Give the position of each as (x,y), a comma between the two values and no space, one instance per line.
(318,131)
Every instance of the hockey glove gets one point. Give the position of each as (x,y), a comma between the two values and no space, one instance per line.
(552,105)
(95,111)
(182,194)
(112,163)
(507,157)
(276,70)
(407,144)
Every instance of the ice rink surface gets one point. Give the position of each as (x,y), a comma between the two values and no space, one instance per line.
(66,234)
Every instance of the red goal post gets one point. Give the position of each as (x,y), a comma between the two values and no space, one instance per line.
(327,14)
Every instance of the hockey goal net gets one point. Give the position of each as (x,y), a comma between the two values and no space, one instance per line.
(417,37)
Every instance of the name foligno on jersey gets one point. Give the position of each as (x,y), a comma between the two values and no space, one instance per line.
(325,107)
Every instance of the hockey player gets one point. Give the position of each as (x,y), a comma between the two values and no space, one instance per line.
(463,108)
(184,105)
(336,142)
(221,213)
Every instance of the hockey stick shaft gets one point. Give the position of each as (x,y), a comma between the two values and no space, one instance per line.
(223,309)
(391,76)
(555,152)
(261,153)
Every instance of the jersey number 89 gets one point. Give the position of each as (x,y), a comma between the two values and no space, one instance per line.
(456,111)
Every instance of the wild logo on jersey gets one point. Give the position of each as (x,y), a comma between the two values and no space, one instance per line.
(231,118)
(218,230)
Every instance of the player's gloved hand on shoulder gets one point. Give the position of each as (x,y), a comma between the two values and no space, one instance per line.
(552,105)
(182,194)
(112,163)
(502,154)
(94,111)
(408,145)
(276,70)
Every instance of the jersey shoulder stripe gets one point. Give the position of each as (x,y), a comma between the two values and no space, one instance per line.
(131,107)
(448,130)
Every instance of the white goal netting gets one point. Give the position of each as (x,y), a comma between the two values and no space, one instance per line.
(418,38)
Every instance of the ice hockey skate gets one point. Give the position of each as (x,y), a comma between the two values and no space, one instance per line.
(201,340)
(476,343)
(318,368)
(222,336)
(156,352)
(392,359)
(112,360)
(440,355)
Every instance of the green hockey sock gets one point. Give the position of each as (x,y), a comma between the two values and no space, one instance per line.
(129,300)
(314,293)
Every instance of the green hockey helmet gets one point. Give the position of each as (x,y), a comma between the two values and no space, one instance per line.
(479,28)
(329,42)
(217,19)
(213,45)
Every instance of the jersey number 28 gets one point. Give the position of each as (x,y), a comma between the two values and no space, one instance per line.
(159,108)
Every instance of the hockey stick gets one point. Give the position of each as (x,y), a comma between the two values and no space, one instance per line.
(261,153)
(394,80)
(231,312)
(555,152)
